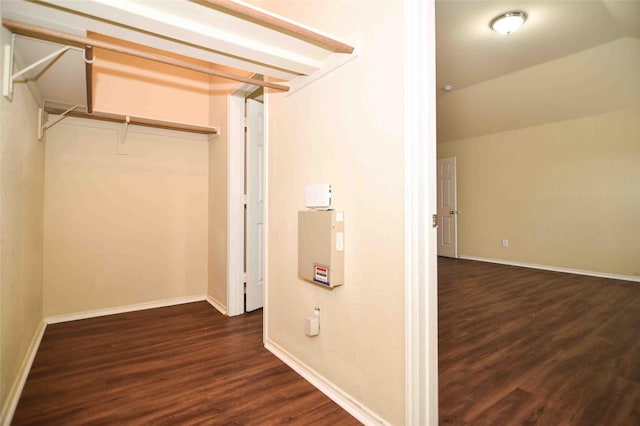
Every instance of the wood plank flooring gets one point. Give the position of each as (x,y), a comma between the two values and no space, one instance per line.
(179,365)
(523,346)
(516,346)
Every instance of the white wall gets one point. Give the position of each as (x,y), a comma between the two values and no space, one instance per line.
(123,229)
(345,129)
(21,198)
(548,158)
(564,194)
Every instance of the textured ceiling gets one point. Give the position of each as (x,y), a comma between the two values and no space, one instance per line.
(469,52)
(571,59)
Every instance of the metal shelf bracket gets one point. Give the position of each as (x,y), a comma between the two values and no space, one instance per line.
(42,126)
(8,76)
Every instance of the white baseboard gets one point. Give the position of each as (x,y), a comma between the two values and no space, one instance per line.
(357,410)
(554,268)
(216,304)
(18,384)
(122,309)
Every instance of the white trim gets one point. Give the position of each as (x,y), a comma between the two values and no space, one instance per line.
(122,309)
(235,205)
(265,264)
(216,304)
(350,404)
(18,385)
(554,268)
(421,307)
(329,65)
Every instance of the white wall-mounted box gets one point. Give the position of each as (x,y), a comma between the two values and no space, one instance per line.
(317,196)
(321,247)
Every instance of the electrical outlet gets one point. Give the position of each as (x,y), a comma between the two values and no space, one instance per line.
(505,243)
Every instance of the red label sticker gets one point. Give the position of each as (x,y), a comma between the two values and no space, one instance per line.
(321,274)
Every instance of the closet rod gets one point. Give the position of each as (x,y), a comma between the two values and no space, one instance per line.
(140,121)
(40,32)
(274,22)
(88,72)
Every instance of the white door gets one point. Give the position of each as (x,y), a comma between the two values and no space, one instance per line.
(447,208)
(254,248)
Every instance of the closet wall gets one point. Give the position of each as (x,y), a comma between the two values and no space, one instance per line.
(123,229)
(21,198)
(135,228)
(129,85)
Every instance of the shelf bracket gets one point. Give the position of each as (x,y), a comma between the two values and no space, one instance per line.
(42,126)
(122,142)
(8,76)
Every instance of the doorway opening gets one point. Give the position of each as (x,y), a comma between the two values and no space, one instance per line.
(254,176)
(447,208)
(246,192)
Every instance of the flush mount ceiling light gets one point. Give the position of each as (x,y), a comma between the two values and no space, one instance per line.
(508,22)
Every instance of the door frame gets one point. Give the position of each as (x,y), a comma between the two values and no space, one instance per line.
(236,198)
(235,204)
(420,236)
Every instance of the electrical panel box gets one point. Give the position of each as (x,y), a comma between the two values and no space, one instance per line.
(321,247)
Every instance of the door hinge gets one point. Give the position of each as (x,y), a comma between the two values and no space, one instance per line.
(244,277)
(245,198)
(434,222)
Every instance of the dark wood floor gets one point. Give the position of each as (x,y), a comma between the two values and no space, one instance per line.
(179,365)
(523,346)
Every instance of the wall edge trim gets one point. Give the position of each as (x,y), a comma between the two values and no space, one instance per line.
(337,395)
(216,304)
(553,268)
(54,319)
(9,408)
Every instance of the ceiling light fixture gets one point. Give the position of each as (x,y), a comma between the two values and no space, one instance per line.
(508,22)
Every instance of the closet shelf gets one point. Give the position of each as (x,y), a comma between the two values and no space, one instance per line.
(139,121)
(58,36)
(279,24)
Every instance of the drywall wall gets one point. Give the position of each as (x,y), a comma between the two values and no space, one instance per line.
(218,175)
(345,129)
(123,229)
(21,206)
(594,81)
(564,194)
(128,85)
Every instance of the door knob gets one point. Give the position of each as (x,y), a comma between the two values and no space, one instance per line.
(454,212)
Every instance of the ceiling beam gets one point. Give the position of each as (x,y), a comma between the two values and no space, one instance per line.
(39,32)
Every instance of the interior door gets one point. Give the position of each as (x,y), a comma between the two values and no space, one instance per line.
(254,247)
(447,208)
